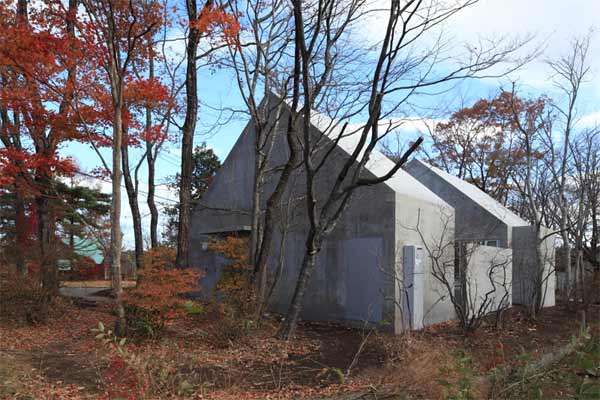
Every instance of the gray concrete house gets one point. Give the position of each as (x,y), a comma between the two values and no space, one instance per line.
(391,256)
(372,267)
(481,219)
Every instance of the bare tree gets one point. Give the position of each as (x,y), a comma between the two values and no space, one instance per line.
(187,132)
(582,193)
(570,72)
(259,64)
(199,21)
(534,121)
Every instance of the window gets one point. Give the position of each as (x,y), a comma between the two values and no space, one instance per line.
(490,243)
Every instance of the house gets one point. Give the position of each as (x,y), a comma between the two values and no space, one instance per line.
(372,267)
(81,258)
(481,219)
(390,257)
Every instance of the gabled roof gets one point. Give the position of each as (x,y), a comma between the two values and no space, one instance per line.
(478,196)
(378,164)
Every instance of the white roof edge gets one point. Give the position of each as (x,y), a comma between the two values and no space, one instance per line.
(478,196)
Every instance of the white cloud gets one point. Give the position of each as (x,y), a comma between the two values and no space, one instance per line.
(590,120)
(554,22)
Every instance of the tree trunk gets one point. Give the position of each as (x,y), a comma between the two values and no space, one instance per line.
(571,281)
(21,236)
(133,204)
(47,261)
(256,196)
(115,214)
(262,152)
(150,199)
(579,266)
(187,142)
(151,167)
(539,290)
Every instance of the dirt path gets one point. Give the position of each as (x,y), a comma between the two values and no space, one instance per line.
(53,365)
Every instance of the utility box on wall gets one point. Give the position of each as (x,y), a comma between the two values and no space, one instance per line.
(414,285)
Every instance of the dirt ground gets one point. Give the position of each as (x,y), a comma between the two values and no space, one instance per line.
(63,360)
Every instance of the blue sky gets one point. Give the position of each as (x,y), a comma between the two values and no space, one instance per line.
(554,22)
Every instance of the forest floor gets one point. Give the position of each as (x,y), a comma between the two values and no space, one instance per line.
(62,359)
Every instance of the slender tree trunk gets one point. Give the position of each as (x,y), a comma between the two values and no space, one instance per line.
(581,270)
(187,142)
(115,215)
(540,286)
(271,208)
(150,200)
(151,168)
(263,146)
(19,202)
(133,204)
(256,198)
(21,236)
(568,265)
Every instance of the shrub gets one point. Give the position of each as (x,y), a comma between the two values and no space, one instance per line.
(135,375)
(22,298)
(238,302)
(236,278)
(143,322)
(159,294)
(126,376)
(84,269)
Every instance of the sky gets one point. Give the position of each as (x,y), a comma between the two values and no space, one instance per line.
(553,22)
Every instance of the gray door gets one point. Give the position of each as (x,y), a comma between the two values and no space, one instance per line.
(363,263)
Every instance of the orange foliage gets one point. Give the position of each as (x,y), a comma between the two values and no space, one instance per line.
(480,143)
(160,285)
(213,17)
(236,275)
(39,84)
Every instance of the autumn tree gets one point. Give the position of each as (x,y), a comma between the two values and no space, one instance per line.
(159,117)
(583,195)
(141,95)
(477,144)
(39,76)
(117,28)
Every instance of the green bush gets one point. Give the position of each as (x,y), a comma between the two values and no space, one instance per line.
(143,323)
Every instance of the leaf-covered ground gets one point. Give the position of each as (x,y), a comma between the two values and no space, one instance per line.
(63,360)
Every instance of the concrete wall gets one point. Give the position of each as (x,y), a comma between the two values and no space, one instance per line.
(525,265)
(360,260)
(348,281)
(226,205)
(488,278)
(430,227)
(473,223)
